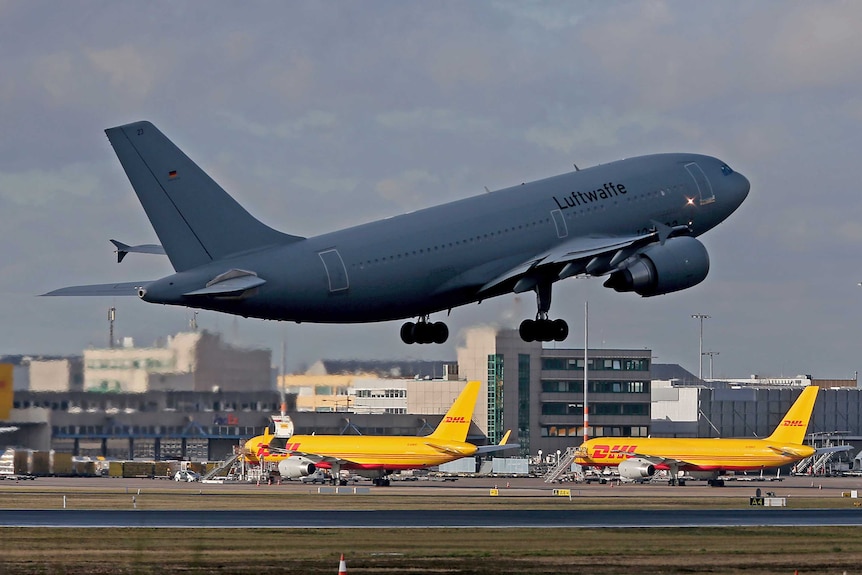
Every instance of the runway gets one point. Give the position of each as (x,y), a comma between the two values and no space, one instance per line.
(495,519)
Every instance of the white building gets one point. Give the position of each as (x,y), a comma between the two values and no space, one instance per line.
(193,361)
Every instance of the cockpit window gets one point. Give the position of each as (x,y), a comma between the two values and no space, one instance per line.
(725,169)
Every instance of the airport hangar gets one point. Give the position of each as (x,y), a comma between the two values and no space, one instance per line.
(195,397)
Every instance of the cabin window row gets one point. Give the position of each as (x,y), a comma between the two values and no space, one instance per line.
(449,245)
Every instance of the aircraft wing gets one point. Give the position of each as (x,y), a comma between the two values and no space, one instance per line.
(594,255)
(115,289)
(655,459)
(313,457)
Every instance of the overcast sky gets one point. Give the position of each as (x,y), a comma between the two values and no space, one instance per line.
(317,116)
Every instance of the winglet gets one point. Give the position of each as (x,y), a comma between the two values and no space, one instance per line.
(794,424)
(456,422)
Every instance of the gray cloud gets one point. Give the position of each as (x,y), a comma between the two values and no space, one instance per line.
(321,115)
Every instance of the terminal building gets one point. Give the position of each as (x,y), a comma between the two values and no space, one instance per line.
(196,397)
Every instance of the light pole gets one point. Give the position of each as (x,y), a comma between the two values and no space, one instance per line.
(711,354)
(701,317)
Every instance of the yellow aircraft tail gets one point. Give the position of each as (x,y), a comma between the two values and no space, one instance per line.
(795,422)
(456,422)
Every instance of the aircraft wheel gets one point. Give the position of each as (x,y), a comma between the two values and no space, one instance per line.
(441,332)
(422,333)
(528,330)
(544,330)
(408,333)
(561,330)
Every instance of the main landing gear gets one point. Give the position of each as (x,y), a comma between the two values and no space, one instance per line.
(542,328)
(424,331)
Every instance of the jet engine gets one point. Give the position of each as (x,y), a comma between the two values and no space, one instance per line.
(296,467)
(680,263)
(635,468)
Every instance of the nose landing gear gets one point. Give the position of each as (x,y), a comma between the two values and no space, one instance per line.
(424,331)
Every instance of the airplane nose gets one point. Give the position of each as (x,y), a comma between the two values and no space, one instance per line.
(745,186)
(739,190)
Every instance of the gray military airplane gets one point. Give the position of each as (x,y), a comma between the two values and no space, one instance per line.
(633,220)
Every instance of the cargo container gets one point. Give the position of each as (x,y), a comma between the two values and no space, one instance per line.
(138,469)
(40,463)
(115,469)
(61,463)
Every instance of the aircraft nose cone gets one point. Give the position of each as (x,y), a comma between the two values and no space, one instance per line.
(743,187)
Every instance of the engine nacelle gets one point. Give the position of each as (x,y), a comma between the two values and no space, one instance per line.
(296,467)
(634,468)
(682,262)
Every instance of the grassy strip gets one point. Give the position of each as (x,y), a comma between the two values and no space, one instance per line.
(493,551)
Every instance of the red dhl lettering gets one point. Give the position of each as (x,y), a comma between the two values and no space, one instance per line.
(615,452)
(792,423)
(451,419)
(263,449)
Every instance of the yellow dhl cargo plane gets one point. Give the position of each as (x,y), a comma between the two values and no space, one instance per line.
(638,458)
(375,456)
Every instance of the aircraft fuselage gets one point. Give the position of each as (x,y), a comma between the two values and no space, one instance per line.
(439,258)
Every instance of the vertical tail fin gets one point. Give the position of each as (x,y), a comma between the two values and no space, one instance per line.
(457,420)
(194,218)
(794,424)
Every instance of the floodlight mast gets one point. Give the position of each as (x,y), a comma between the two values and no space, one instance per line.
(701,317)
(586,370)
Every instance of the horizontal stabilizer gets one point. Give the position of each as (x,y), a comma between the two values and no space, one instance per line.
(123,249)
(833,449)
(115,289)
(495,448)
(504,444)
(447,449)
(785,451)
